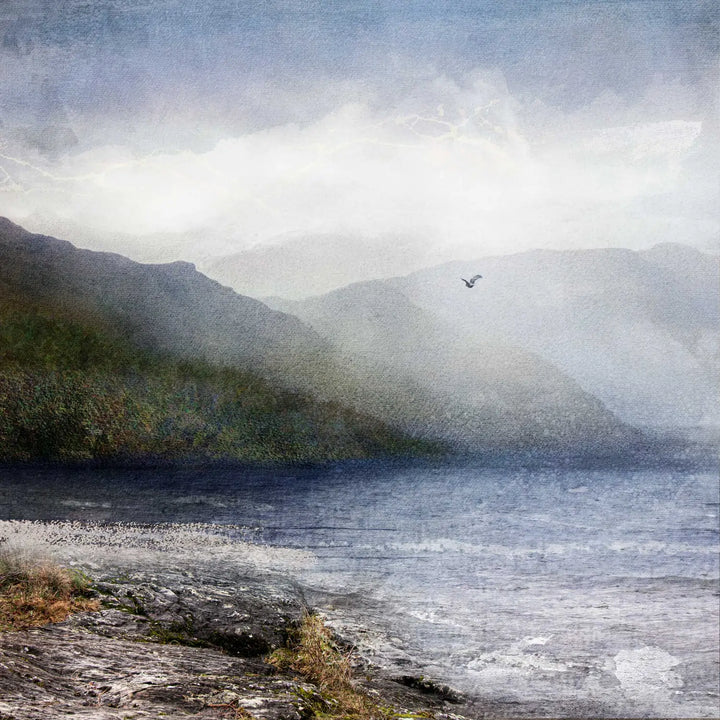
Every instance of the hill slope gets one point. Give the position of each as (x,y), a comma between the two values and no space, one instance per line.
(104,358)
(639,330)
(169,307)
(371,350)
(480,394)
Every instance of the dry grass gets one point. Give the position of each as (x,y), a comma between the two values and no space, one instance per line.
(313,654)
(35,591)
(233,710)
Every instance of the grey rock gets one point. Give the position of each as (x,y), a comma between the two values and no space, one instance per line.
(190,650)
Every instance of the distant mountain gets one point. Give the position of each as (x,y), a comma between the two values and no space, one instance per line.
(297,267)
(190,246)
(638,330)
(477,393)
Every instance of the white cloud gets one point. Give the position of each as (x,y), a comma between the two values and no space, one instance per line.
(647,140)
(461,173)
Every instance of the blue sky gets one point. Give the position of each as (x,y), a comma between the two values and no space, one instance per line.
(558,101)
(201,58)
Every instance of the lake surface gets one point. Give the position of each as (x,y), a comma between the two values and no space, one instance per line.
(535,591)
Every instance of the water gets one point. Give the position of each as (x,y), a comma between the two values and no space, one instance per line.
(534,591)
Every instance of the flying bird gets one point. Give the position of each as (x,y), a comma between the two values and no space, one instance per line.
(471,282)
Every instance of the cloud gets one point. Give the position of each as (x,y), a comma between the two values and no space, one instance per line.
(458,162)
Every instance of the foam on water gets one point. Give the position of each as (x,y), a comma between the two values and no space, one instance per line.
(121,545)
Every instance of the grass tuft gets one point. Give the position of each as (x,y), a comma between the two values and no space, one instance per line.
(36,591)
(312,653)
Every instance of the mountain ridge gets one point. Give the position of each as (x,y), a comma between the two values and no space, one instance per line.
(640,334)
(83,375)
(636,329)
(493,390)
(241,328)
(173,309)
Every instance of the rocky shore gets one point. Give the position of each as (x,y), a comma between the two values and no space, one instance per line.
(188,618)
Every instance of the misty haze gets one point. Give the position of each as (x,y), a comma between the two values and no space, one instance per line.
(266,450)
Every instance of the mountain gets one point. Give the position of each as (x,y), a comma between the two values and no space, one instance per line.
(101,357)
(315,264)
(638,330)
(386,371)
(474,393)
(167,307)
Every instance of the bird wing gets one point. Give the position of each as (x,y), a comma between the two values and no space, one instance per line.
(475,277)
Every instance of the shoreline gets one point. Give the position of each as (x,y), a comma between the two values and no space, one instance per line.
(179,632)
(653,451)
(226,558)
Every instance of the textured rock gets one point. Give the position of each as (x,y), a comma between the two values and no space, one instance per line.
(63,669)
(190,650)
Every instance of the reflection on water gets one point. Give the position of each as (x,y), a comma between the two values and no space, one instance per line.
(547,590)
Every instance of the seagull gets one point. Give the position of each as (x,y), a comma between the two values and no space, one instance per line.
(471,282)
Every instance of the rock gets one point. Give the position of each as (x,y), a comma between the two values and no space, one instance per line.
(193,649)
(238,622)
(429,687)
(63,669)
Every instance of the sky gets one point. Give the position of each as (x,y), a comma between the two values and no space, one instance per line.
(193,129)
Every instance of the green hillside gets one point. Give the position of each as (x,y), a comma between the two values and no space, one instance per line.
(71,391)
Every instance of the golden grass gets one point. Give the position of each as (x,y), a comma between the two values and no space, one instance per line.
(237,712)
(36,591)
(314,655)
